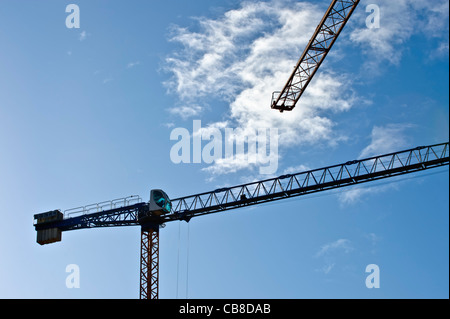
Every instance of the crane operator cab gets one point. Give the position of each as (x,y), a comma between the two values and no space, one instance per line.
(160,203)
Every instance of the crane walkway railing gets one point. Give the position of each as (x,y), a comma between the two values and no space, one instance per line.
(102,206)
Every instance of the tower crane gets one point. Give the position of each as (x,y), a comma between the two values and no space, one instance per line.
(160,209)
(325,35)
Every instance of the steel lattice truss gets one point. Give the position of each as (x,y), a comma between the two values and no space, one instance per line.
(123,216)
(318,47)
(342,175)
(286,186)
(149,288)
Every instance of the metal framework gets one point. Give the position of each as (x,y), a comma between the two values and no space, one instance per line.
(286,186)
(325,35)
(123,216)
(317,180)
(283,187)
(149,263)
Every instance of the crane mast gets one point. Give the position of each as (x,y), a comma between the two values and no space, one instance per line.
(152,215)
(324,37)
(149,272)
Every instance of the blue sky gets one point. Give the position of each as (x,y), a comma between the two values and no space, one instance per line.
(86,115)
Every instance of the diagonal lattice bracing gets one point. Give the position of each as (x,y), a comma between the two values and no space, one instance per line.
(336,176)
(317,49)
(149,264)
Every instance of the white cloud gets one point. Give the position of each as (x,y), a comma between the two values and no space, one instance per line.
(327,268)
(399,21)
(245,55)
(329,253)
(373,238)
(83,36)
(296,169)
(186,111)
(343,245)
(441,51)
(132,64)
(169,125)
(383,140)
(355,195)
(386,139)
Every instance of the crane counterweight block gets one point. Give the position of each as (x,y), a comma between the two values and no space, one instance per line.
(45,233)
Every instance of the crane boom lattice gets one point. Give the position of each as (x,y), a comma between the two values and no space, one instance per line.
(324,37)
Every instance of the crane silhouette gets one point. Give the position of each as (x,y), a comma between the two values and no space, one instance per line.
(151,215)
(159,210)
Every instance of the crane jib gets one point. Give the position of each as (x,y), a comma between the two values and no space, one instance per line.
(325,35)
(283,187)
(333,177)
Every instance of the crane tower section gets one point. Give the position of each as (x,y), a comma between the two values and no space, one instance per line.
(325,35)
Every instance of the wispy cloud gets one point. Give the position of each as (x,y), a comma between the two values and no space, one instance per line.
(343,245)
(106,80)
(356,194)
(244,55)
(328,253)
(327,268)
(169,125)
(186,111)
(386,139)
(441,51)
(296,169)
(383,140)
(83,35)
(133,64)
(374,240)
(241,58)
(399,21)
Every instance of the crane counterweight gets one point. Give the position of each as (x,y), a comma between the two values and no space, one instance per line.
(48,235)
